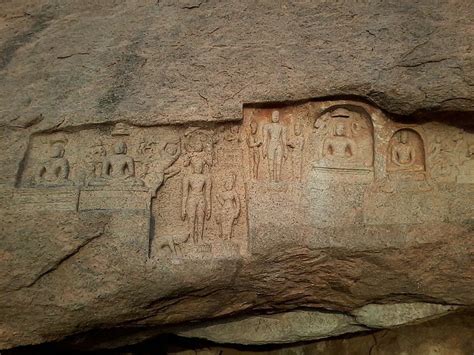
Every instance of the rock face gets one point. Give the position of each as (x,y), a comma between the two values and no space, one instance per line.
(69,63)
(164,176)
(299,326)
(446,336)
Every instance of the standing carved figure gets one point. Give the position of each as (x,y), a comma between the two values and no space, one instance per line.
(403,152)
(229,208)
(297,145)
(274,146)
(254,143)
(54,171)
(339,146)
(196,200)
(444,159)
(96,156)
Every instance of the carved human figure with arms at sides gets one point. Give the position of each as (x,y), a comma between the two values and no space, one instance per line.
(196,200)
(118,169)
(339,146)
(297,146)
(403,152)
(54,171)
(254,143)
(229,209)
(274,146)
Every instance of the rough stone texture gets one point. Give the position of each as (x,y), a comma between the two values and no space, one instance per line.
(80,254)
(73,62)
(288,327)
(298,326)
(448,335)
(390,315)
(451,335)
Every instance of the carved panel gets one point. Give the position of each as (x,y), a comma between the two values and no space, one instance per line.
(406,153)
(215,191)
(344,139)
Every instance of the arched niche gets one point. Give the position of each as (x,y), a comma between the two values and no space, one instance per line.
(345,137)
(406,152)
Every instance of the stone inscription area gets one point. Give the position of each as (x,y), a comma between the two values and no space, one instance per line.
(226,190)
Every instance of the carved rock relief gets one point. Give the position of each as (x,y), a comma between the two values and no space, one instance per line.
(189,179)
(406,152)
(220,191)
(450,155)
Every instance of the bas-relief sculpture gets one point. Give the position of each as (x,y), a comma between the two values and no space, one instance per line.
(213,191)
(55,170)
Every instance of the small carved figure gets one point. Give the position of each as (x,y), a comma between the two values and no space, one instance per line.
(174,243)
(254,147)
(196,200)
(229,208)
(54,171)
(297,145)
(118,169)
(163,169)
(444,159)
(466,169)
(339,146)
(196,154)
(274,146)
(198,145)
(232,133)
(403,152)
(96,157)
(146,147)
(406,156)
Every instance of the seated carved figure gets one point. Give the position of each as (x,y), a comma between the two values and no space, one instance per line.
(118,169)
(54,171)
(339,146)
(404,154)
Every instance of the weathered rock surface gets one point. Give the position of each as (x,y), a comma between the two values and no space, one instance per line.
(291,327)
(391,315)
(348,207)
(451,335)
(69,63)
(299,326)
